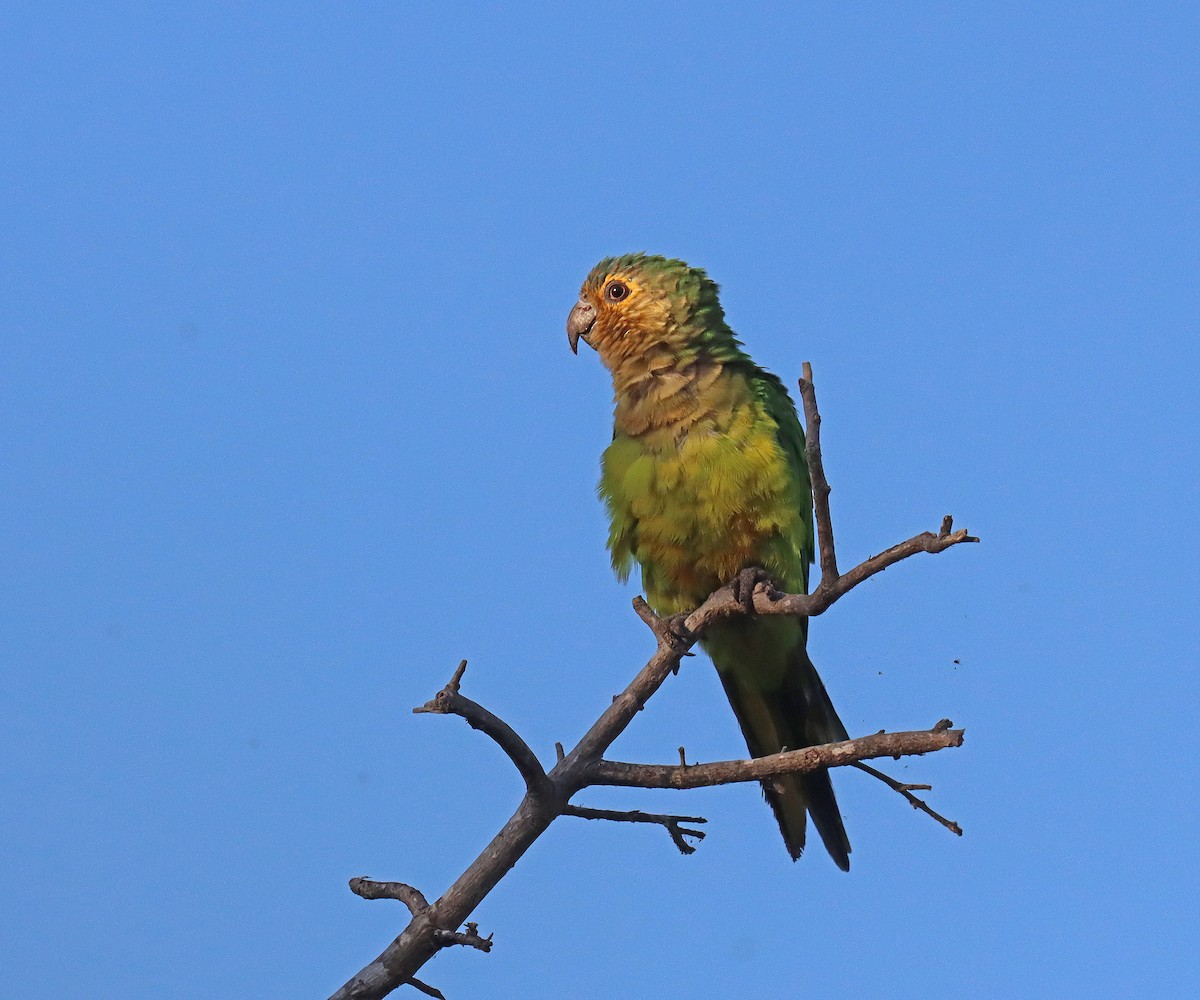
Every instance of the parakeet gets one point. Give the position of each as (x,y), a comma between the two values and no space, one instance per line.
(706,477)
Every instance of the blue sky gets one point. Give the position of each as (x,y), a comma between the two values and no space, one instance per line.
(289,425)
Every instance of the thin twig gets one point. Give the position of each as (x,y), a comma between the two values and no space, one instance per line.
(429,991)
(671,823)
(907,790)
(816,474)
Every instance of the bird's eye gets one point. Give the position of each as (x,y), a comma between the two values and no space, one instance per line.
(616,291)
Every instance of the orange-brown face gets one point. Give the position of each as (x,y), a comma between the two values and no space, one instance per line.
(618,314)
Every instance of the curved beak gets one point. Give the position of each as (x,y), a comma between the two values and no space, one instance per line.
(583,315)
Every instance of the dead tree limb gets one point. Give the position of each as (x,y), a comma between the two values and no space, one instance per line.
(548,794)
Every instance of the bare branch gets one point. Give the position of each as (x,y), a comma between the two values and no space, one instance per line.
(725,772)
(671,823)
(448,701)
(823,597)
(414,899)
(432,926)
(722,604)
(429,991)
(907,790)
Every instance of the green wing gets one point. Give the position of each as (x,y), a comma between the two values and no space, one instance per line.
(793,555)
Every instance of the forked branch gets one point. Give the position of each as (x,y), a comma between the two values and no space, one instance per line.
(907,790)
(673,824)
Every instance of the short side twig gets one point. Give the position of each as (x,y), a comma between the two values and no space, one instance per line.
(675,639)
(449,701)
(470,938)
(907,790)
(429,991)
(672,824)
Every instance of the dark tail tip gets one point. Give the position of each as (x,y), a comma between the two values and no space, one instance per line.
(827,818)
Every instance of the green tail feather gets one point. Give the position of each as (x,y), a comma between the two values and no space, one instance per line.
(780,701)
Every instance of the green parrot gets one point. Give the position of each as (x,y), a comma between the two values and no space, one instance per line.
(705,480)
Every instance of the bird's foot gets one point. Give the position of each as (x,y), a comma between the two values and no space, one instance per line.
(743,586)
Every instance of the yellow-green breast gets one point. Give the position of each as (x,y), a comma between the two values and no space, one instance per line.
(695,505)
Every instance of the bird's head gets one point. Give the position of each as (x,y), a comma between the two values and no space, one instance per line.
(630,305)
